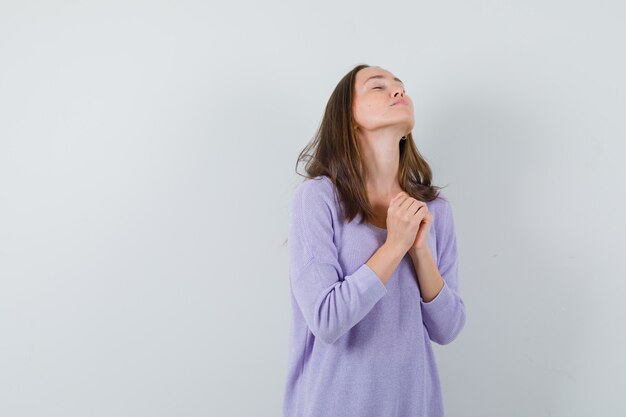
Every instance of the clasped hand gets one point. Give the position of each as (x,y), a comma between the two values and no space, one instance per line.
(408,222)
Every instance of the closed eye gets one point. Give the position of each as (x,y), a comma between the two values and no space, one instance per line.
(374,88)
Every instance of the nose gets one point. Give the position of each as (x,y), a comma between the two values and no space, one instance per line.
(398,90)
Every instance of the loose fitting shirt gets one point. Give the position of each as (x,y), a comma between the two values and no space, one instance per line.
(358,347)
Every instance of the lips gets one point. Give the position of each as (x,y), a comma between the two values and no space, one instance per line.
(400,101)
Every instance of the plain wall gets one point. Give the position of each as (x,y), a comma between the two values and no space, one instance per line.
(147,156)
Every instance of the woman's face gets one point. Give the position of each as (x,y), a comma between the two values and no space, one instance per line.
(375,103)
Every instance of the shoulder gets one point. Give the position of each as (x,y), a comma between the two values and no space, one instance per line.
(315,190)
(313,211)
(440,203)
(315,197)
(441,209)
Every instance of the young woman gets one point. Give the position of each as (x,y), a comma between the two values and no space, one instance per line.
(368,296)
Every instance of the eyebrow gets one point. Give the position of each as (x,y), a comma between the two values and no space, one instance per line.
(382,76)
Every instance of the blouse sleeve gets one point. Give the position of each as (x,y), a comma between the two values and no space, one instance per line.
(331,302)
(444,316)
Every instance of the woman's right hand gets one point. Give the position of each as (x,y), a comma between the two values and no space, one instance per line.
(403,220)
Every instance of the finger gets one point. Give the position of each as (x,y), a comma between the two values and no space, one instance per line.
(420,208)
(406,203)
(396,198)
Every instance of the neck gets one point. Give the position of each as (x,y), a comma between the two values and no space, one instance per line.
(381,156)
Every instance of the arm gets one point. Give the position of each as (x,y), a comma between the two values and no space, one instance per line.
(443,310)
(429,279)
(331,302)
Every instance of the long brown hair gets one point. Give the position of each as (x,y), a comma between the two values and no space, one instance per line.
(334,152)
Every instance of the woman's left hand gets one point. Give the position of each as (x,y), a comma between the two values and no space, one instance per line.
(421,238)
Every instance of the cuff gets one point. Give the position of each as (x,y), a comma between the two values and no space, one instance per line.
(368,283)
(441,302)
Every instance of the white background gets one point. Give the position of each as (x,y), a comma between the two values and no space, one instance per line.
(147,155)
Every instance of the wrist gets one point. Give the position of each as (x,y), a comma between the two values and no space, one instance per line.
(397,250)
(418,254)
